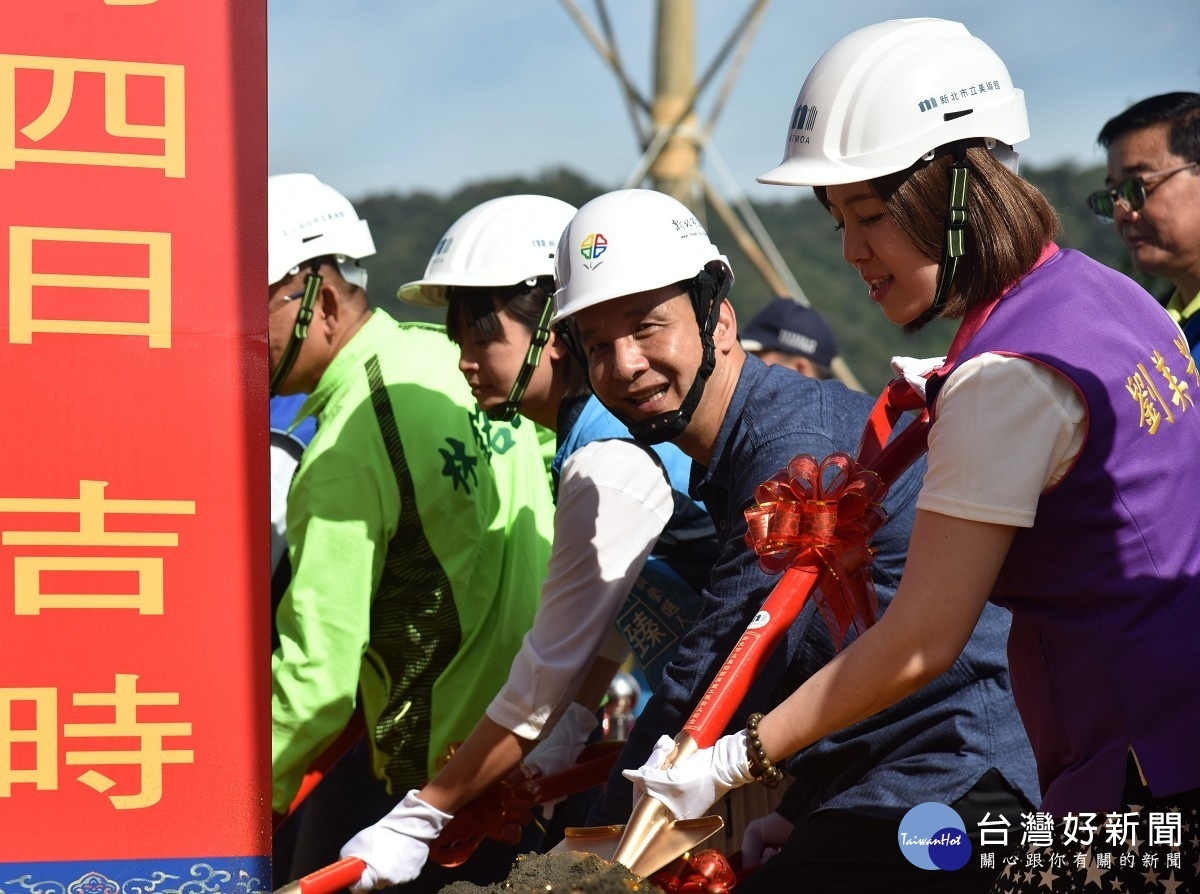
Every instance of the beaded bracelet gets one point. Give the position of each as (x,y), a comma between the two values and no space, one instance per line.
(761,767)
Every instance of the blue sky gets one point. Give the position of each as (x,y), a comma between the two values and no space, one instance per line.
(401,95)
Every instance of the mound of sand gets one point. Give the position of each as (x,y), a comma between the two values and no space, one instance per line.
(561,874)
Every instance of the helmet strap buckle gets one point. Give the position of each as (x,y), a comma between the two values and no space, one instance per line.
(304,316)
(954,246)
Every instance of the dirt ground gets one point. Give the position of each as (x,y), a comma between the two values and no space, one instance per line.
(561,874)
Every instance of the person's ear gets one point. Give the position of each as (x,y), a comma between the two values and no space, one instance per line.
(556,348)
(330,308)
(725,334)
(804,365)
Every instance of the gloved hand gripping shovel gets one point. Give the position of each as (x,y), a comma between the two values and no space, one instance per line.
(498,813)
(812,522)
(332,878)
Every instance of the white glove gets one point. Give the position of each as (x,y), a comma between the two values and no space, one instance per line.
(657,760)
(699,780)
(396,848)
(763,838)
(559,750)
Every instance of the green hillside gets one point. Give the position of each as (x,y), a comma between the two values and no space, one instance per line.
(407,226)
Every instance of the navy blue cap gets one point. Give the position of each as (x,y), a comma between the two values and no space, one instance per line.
(787,325)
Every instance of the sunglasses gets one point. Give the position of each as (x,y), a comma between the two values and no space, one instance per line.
(1132,192)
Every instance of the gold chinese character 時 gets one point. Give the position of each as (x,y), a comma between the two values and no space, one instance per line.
(116,76)
(149,755)
(42,734)
(92,508)
(23,279)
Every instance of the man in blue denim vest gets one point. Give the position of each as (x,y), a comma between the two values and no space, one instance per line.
(643,298)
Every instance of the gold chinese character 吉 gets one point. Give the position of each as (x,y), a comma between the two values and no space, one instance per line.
(92,507)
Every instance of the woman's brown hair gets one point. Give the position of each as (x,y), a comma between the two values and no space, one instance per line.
(1009,222)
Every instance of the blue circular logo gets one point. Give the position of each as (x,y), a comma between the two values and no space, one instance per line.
(933,836)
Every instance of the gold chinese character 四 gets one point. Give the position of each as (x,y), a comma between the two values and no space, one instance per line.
(116,75)
(92,507)
(23,279)
(149,755)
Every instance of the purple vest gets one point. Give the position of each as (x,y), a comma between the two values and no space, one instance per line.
(1104,649)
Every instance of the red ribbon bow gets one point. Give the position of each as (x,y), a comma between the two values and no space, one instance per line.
(821,516)
(707,872)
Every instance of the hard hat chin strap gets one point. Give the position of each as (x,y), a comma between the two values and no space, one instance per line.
(708,291)
(507,411)
(955,243)
(308,300)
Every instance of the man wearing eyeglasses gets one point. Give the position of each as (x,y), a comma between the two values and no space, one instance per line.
(1153,198)
(418,529)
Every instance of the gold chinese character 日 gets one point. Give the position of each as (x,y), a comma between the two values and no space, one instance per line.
(116,76)
(92,507)
(24,278)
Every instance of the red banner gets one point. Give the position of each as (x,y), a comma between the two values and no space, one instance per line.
(134,595)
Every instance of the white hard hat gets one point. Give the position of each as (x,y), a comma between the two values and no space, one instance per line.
(309,219)
(496,244)
(629,241)
(887,95)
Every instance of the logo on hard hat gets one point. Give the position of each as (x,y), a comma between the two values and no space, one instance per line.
(962,94)
(594,245)
(803,118)
(439,252)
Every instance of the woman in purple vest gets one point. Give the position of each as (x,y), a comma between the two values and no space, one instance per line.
(1061,415)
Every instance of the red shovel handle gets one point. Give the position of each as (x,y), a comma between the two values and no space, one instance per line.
(333,878)
(729,687)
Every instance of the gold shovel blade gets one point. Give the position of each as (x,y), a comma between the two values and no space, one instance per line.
(669,842)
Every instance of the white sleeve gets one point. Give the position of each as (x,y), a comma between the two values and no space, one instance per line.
(613,503)
(285,456)
(1007,430)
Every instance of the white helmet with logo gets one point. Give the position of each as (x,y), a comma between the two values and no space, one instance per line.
(499,243)
(629,241)
(889,94)
(309,219)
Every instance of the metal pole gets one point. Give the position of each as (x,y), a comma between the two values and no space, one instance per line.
(674,88)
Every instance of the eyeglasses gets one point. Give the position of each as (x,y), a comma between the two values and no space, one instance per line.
(281,300)
(1132,192)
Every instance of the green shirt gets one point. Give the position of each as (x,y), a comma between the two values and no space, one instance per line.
(416,571)
(1180,309)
